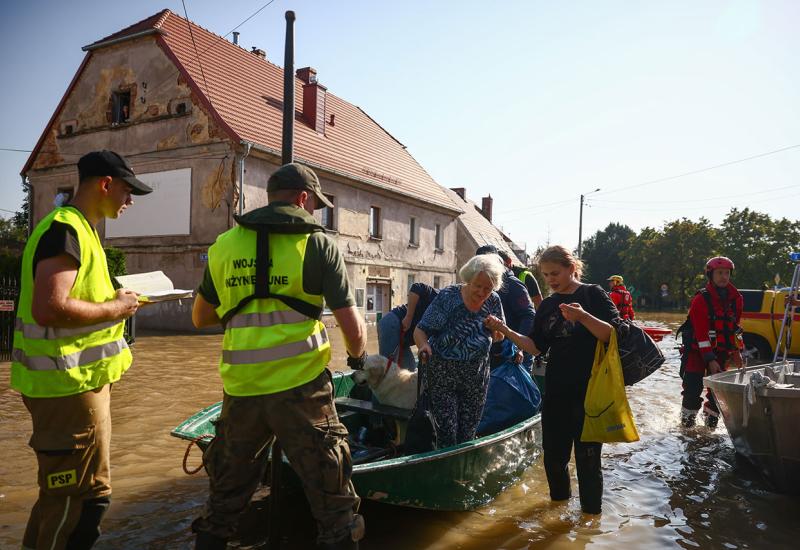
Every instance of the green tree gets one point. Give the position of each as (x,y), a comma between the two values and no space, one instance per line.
(116,263)
(642,263)
(12,243)
(603,252)
(22,217)
(759,246)
(685,247)
(674,255)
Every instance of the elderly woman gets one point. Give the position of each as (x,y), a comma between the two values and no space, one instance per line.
(453,335)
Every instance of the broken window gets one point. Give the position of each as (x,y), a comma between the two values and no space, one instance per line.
(120,107)
(63,196)
(375,222)
(413,232)
(326,218)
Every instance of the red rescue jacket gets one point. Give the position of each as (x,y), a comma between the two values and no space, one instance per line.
(715,329)
(623,300)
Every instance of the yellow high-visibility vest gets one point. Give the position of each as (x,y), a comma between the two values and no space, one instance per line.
(54,362)
(268,346)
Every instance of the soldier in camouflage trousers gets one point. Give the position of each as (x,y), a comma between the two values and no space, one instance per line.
(315,442)
(266,283)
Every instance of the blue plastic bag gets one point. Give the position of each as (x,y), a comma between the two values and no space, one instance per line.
(512,396)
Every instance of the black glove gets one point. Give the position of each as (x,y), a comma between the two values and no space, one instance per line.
(357,363)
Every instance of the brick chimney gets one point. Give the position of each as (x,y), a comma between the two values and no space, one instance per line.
(313,99)
(258,52)
(460,191)
(486,207)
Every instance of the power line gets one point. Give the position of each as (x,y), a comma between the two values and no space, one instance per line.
(166,156)
(650,182)
(763,191)
(701,170)
(213,44)
(537,206)
(706,207)
(197,56)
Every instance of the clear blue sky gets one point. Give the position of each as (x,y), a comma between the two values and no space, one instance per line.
(534,102)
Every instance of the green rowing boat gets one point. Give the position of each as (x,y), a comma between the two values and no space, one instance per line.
(462,477)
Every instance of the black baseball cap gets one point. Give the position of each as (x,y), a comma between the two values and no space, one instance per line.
(108,163)
(492,249)
(298,177)
(487,249)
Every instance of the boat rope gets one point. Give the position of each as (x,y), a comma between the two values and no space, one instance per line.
(195,441)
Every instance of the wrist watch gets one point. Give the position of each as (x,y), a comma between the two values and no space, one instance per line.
(357,363)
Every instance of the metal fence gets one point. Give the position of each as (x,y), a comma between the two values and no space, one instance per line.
(9,296)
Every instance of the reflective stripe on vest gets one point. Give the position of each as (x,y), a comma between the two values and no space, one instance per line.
(55,362)
(272,318)
(275,353)
(268,347)
(78,359)
(34,331)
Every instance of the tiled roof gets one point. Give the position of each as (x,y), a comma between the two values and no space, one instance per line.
(152,22)
(478,227)
(246,91)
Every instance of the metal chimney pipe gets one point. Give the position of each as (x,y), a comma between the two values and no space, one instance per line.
(287,155)
(236,37)
(287,148)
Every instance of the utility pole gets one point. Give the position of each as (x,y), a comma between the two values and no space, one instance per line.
(580,222)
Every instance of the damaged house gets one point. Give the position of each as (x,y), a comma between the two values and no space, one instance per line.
(207,135)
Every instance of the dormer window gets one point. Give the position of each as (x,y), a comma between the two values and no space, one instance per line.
(120,107)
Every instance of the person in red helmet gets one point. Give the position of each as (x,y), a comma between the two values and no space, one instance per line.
(715,313)
(621,297)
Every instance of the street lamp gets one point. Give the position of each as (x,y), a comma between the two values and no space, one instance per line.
(580,221)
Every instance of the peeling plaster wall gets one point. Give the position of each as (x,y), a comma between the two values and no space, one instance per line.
(157,137)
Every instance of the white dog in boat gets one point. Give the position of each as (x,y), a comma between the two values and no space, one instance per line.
(396,387)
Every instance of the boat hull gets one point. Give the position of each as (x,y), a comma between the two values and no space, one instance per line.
(462,477)
(765,431)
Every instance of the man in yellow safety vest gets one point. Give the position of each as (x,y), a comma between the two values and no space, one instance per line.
(68,350)
(265,283)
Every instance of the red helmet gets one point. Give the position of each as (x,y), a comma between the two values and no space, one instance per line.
(719,262)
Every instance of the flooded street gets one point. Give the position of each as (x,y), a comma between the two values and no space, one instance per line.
(673,488)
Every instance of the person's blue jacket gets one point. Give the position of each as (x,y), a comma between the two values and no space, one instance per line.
(517,306)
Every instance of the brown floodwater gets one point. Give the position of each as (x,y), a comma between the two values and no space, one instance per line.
(674,488)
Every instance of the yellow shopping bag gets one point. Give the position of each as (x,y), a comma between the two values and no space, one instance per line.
(607,415)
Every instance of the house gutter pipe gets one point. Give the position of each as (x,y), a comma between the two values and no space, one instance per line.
(29,192)
(247,147)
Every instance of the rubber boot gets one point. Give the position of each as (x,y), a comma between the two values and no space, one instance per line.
(87,531)
(711,421)
(688,417)
(207,541)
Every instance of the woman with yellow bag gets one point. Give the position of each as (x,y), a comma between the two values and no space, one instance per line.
(569,323)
